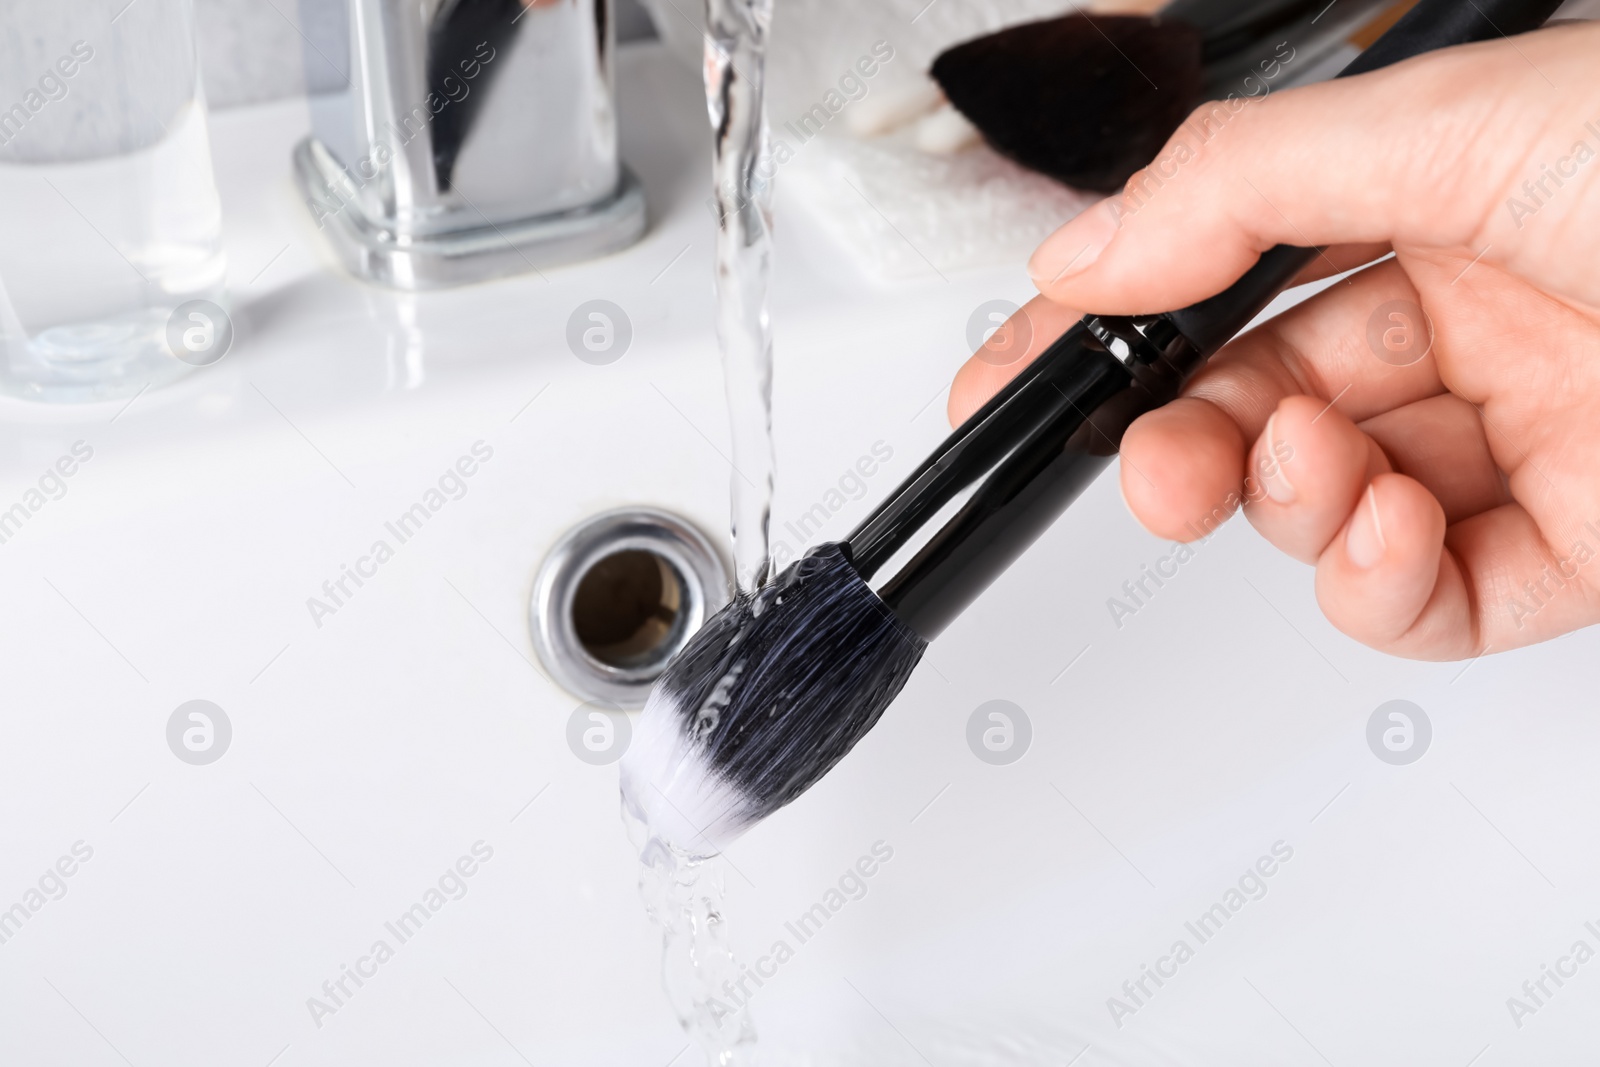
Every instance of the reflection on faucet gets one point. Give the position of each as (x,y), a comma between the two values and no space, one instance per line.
(463,42)
(478,139)
(403,347)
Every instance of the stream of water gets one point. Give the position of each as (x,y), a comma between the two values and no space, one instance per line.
(683,894)
(735,76)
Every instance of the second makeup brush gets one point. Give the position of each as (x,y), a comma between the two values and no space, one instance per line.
(1089,99)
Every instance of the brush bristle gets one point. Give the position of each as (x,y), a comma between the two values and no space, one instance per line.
(1069,97)
(769,695)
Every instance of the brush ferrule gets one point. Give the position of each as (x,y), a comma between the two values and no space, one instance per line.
(1143,341)
(1016,464)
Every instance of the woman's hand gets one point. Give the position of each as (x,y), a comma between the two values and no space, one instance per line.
(1427,431)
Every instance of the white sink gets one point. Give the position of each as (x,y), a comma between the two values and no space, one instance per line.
(371,752)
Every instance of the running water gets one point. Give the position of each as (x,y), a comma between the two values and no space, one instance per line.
(735,77)
(683,896)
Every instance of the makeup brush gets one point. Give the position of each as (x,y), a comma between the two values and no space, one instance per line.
(1089,99)
(778,687)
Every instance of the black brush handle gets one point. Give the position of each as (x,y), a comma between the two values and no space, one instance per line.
(1030,451)
(1431,25)
(1034,447)
(1228,25)
(1317,33)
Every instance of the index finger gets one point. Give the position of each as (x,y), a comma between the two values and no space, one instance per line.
(1187,458)
(1420,154)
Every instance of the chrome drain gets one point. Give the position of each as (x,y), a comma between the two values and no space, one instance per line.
(618,596)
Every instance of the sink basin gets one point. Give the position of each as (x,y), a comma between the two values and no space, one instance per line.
(394,738)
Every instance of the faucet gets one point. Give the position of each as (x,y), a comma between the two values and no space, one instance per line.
(475,139)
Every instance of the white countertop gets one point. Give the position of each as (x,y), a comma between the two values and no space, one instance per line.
(371,752)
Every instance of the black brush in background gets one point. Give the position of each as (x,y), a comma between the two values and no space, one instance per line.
(462,34)
(1089,99)
(778,687)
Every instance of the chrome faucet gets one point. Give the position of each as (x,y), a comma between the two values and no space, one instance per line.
(477,138)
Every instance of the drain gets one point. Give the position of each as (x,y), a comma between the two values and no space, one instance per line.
(618,596)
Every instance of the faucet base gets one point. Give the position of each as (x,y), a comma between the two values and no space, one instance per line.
(375,253)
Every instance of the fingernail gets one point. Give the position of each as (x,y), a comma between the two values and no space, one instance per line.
(1074,248)
(1273,476)
(1364,541)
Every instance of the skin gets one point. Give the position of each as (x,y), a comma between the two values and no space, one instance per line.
(1445,504)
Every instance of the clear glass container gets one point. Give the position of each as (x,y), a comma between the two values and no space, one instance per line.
(109,217)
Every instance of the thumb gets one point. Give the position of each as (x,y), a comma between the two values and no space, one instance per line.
(1416,153)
